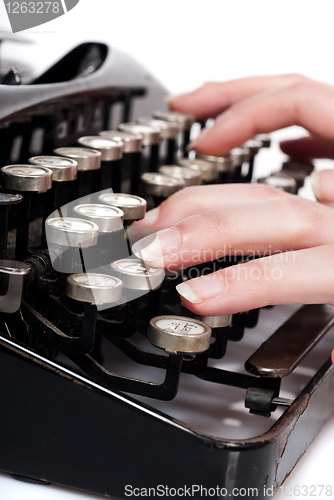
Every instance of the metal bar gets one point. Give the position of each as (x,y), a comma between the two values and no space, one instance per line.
(287,347)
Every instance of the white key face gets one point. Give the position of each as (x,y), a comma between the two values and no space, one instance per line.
(95,281)
(79,152)
(180,326)
(120,200)
(72,225)
(53,161)
(278,181)
(141,129)
(26,171)
(184,172)
(158,179)
(135,268)
(98,143)
(98,211)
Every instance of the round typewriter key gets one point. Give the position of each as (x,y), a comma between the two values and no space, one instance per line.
(160,186)
(168,130)
(64,172)
(111,243)
(63,169)
(254,147)
(132,143)
(134,207)
(280,181)
(151,135)
(136,275)
(177,334)
(26,178)
(87,159)
(209,172)
(183,122)
(298,175)
(71,232)
(224,165)
(131,167)
(94,288)
(110,150)
(111,160)
(30,180)
(305,166)
(108,218)
(168,134)
(190,176)
(216,321)
(89,162)
(151,143)
(238,156)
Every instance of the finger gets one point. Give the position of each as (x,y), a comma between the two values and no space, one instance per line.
(308,104)
(323,185)
(193,200)
(214,97)
(307,148)
(278,224)
(302,277)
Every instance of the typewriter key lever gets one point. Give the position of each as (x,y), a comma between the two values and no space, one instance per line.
(6,200)
(30,180)
(92,290)
(10,302)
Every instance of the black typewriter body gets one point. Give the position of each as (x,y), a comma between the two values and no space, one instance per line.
(66,418)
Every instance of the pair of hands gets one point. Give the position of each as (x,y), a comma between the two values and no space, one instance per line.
(295,236)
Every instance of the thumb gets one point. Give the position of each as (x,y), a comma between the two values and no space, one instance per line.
(323,185)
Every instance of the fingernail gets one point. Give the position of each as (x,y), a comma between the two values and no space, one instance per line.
(202,288)
(152,216)
(315,183)
(157,246)
(192,145)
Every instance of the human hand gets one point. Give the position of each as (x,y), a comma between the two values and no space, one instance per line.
(295,236)
(246,107)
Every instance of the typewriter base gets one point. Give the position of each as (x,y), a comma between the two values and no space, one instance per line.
(48,409)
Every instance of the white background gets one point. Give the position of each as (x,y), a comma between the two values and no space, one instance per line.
(184,43)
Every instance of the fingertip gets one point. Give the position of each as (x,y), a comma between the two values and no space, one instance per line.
(332,356)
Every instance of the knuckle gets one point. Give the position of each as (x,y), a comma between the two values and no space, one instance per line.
(308,215)
(216,223)
(263,190)
(296,77)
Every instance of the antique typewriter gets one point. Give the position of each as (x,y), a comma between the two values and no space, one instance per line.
(96,350)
